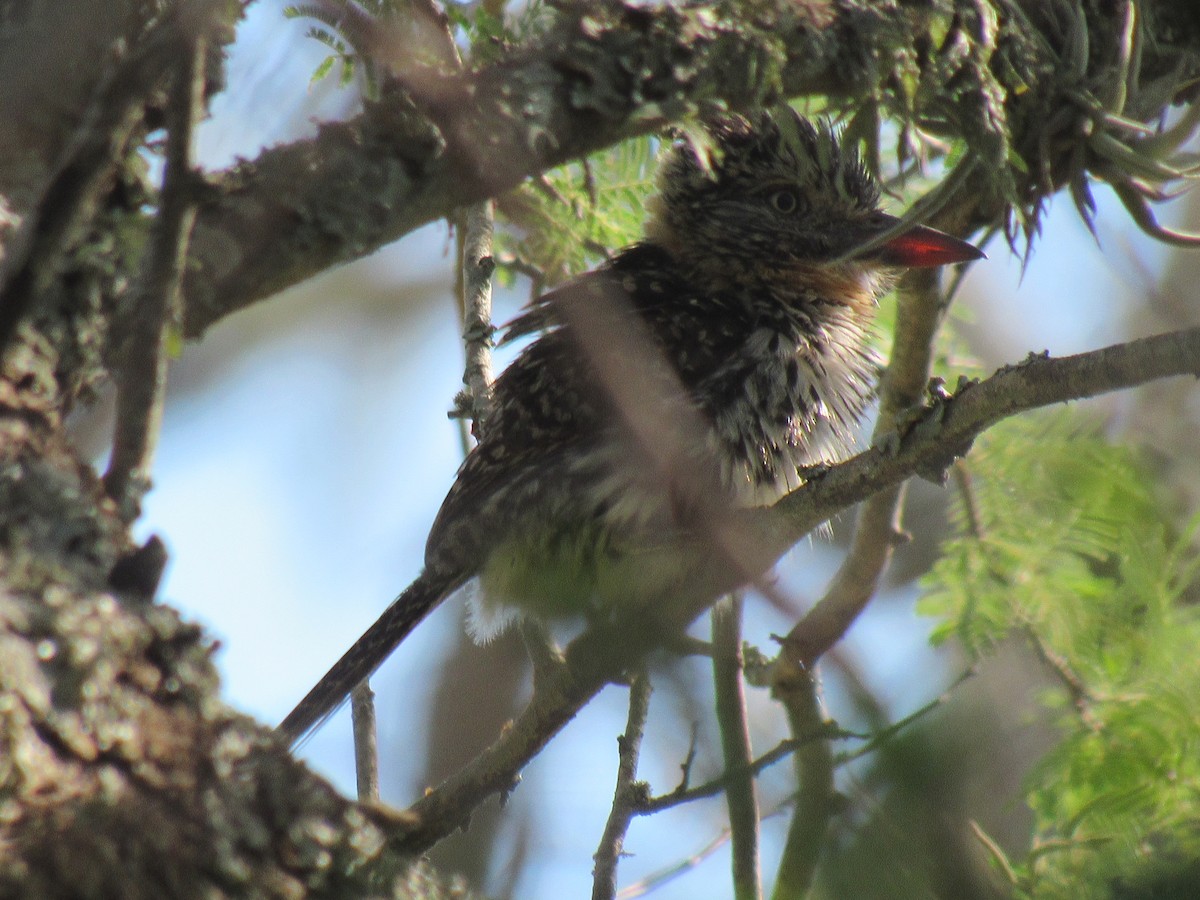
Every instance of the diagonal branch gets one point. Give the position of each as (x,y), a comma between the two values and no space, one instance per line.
(142,379)
(944,432)
(876,534)
(878,528)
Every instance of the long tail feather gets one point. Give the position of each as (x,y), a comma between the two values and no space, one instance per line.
(368,652)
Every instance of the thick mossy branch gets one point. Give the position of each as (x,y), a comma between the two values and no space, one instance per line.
(1001,81)
(121,772)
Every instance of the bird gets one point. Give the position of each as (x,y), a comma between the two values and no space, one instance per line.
(709,365)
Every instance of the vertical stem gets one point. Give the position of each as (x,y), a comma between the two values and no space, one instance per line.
(474,290)
(740,796)
(815,803)
(366,742)
(142,380)
(477,268)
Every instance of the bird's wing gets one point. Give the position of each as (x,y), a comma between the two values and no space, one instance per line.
(546,409)
(637,273)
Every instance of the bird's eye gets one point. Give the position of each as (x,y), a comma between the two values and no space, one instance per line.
(784,201)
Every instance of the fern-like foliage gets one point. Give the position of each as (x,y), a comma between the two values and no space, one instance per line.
(337,31)
(577,214)
(1064,543)
(366,36)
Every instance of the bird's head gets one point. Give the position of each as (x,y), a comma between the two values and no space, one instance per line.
(753,198)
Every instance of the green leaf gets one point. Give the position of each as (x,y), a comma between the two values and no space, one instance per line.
(1070,547)
(323,69)
(581,212)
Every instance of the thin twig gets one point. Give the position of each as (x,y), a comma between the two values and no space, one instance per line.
(629,791)
(826,731)
(142,380)
(477,267)
(996,852)
(662,876)
(689,760)
(734,727)
(473,290)
(966,492)
(1060,666)
(884,735)
(366,741)
(877,532)
(781,751)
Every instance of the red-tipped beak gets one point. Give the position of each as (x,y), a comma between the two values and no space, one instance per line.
(923,247)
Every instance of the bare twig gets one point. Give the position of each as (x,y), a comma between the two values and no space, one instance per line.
(661,877)
(142,380)
(816,799)
(685,767)
(966,492)
(629,791)
(366,741)
(781,751)
(1060,666)
(477,268)
(884,735)
(740,794)
(476,263)
(996,852)
(826,731)
(374,38)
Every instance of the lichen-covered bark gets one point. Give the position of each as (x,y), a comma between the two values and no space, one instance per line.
(1005,78)
(122,775)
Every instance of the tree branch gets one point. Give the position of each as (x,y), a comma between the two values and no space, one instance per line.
(608,71)
(366,741)
(740,795)
(627,794)
(877,530)
(478,266)
(815,801)
(35,254)
(142,381)
(603,73)
(934,439)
